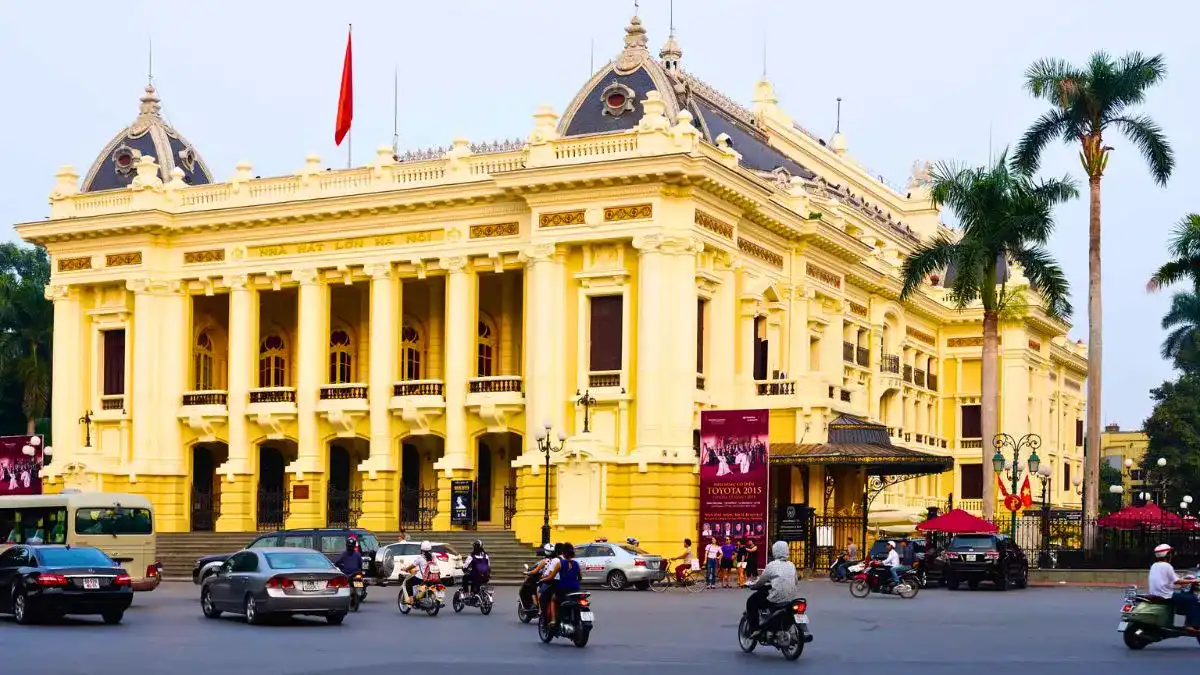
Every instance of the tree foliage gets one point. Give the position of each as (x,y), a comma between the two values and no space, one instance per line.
(1109,475)
(1174,432)
(26,329)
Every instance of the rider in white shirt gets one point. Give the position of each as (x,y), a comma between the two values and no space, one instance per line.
(424,568)
(1164,583)
(892,562)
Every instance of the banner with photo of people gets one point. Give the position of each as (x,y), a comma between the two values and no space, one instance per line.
(18,471)
(733,476)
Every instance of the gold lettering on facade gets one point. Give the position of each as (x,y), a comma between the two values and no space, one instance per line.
(761,252)
(976,341)
(215,255)
(562,218)
(489,230)
(920,335)
(822,274)
(123,259)
(713,225)
(614,214)
(858,309)
(75,264)
(350,244)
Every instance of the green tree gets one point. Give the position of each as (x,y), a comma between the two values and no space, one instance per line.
(1184,249)
(1109,475)
(1182,321)
(1087,102)
(1002,216)
(26,327)
(1174,432)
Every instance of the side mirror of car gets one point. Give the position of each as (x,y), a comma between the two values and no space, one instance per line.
(225,569)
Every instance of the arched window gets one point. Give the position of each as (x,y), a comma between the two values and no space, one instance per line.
(485,349)
(202,362)
(341,358)
(412,350)
(272,362)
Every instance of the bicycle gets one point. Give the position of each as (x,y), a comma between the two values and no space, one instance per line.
(693,581)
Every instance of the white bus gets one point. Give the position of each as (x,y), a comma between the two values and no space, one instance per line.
(121,525)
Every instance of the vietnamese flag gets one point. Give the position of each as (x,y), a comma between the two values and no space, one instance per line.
(1026,494)
(345,113)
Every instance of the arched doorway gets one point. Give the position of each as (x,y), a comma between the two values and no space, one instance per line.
(273,502)
(495,479)
(343,502)
(418,481)
(206,486)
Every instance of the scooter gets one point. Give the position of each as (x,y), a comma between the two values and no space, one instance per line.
(784,627)
(838,571)
(358,590)
(484,598)
(528,610)
(575,620)
(430,597)
(1146,620)
(878,579)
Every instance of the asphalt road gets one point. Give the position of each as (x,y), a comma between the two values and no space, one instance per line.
(1045,630)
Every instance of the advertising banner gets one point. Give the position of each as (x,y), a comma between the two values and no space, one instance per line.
(462,493)
(733,477)
(18,471)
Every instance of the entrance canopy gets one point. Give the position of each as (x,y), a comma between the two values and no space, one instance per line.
(957,521)
(857,443)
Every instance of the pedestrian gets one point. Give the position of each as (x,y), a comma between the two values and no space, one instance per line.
(728,558)
(712,557)
(752,560)
(851,549)
(403,537)
(741,562)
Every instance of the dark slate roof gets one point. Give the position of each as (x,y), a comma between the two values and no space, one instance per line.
(148,135)
(852,430)
(639,81)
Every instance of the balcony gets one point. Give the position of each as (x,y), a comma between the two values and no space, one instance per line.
(908,373)
(205,412)
(862,356)
(344,406)
(344,392)
(972,506)
(919,378)
(496,399)
(112,402)
(418,403)
(775,387)
(889,363)
(848,352)
(970,443)
(273,395)
(700,382)
(272,408)
(602,379)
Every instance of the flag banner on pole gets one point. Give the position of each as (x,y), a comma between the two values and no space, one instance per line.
(345,113)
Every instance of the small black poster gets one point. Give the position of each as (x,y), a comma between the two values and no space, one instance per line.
(462,494)
(793,522)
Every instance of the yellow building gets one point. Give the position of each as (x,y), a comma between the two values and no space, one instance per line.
(1123,450)
(340,345)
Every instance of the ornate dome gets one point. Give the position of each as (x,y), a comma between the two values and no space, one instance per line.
(148,135)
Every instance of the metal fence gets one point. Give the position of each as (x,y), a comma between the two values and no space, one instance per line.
(1071,542)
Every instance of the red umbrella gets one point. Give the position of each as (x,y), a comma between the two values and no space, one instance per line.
(1134,517)
(957,521)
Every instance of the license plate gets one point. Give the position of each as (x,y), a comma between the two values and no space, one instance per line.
(971,558)
(91,584)
(358,584)
(801,619)
(440,595)
(587,616)
(1122,626)
(311,586)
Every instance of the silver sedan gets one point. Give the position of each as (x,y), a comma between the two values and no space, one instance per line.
(264,582)
(618,565)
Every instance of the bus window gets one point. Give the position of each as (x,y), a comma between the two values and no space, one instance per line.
(115,521)
(32,525)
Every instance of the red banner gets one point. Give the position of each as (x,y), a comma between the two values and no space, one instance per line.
(733,477)
(18,471)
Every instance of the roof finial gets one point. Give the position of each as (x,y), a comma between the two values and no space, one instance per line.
(764,58)
(838,129)
(635,51)
(671,9)
(636,7)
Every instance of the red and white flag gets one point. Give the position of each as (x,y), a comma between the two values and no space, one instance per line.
(345,112)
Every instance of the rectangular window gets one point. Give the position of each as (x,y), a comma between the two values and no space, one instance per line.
(606,332)
(114,362)
(971,422)
(760,348)
(701,304)
(1078,433)
(972,481)
(114,521)
(1066,477)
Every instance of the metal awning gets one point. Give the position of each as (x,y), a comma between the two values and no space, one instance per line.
(860,444)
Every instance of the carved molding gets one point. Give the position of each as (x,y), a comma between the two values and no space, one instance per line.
(215,255)
(418,418)
(236,282)
(454,264)
(1035,345)
(205,426)
(976,341)
(489,230)
(306,275)
(83,262)
(857,309)
(538,253)
(761,252)
(667,244)
(344,422)
(562,218)
(713,224)
(58,292)
(123,259)
(614,214)
(821,274)
(379,270)
(920,335)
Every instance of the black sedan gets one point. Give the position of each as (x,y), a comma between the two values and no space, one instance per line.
(52,581)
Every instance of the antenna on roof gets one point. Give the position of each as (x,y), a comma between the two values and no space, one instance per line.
(150,61)
(396,111)
(838,129)
(764,55)
(636,7)
(592,58)
(672,15)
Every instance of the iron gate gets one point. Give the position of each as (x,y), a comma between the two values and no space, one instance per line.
(343,507)
(418,508)
(510,505)
(206,508)
(829,536)
(273,508)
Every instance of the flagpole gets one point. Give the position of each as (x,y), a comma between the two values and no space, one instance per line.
(350,133)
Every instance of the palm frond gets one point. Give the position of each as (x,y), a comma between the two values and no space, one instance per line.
(929,258)
(1149,139)
(1046,78)
(1135,73)
(1047,279)
(1052,125)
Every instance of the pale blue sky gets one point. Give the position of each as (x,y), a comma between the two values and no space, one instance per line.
(258,81)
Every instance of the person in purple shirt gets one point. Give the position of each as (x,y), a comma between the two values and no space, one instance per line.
(728,556)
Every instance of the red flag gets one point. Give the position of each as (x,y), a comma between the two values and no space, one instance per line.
(1026,494)
(345,113)
(1003,487)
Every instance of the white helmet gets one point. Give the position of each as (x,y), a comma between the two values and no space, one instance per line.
(891,544)
(426,547)
(1162,550)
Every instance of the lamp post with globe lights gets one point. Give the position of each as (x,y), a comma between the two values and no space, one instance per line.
(30,449)
(547,447)
(1002,442)
(1044,473)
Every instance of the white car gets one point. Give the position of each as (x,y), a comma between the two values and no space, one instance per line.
(402,554)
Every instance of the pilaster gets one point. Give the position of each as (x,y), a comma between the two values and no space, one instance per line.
(312,350)
(384,338)
(69,390)
(243,343)
(542,325)
(143,392)
(175,321)
(462,316)
(722,339)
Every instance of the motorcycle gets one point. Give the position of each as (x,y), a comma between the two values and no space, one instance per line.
(483,599)
(838,571)
(430,597)
(528,610)
(784,627)
(1146,620)
(358,590)
(919,576)
(878,579)
(575,620)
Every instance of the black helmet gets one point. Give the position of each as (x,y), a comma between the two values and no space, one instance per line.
(351,543)
(477,546)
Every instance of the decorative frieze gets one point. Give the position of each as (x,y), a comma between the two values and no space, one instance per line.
(562,218)
(713,225)
(857,309)
(761,252)
(215,255)
(83,262)
(489,230)
(1035,345)
(822,274)
(1072,384)
(123,259)
(920,335)
(976,341)
(613,214)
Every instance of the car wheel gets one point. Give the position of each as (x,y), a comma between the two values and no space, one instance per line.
(206,604)
(616,580)
(335,619)
(113,618)
(21,610)
(250,609)
(1023,580)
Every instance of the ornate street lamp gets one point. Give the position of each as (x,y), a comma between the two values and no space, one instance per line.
(1002,442)
(587,401)
(547,448)
(1044,474)
(86,421)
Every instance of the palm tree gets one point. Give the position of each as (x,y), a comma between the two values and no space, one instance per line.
(1087,102)
(1003,216)
(1182,344)
(1185,255)
(26,327)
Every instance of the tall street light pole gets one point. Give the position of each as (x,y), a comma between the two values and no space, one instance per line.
(547,447)
(1004,442)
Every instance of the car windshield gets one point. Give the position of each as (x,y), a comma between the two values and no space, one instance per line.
(73,557)
(299,560)
(632,549)
(367,541)
(444,548)
(973,541)
(404,549)
(114,520)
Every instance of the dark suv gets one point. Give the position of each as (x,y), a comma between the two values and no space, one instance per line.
(330,541)
(972,558)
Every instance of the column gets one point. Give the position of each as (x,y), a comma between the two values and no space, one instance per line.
(508,346)
(239,490)
(722,339)
(141,394)
(462,317)
(541,317)
(651,369)
(384,328)
(175,321)
(678,343)
(312,353)
(433,347)
(69,390)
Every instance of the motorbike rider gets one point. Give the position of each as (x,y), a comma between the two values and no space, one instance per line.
(1163,587)
(477,570)
(534,576)
(423,569)
(892,562)
(350,561)
(562,576)
(775,586)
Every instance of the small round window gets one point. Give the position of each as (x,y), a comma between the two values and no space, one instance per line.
(617,99)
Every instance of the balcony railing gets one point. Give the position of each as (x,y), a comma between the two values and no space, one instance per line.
(920,438)
(273,395)
(932,379)
(848,352)
(112,402)
(700,382)
(776,387)
(889,363)
(206,398)
(908,373)
(863,356)
(496,384)
(604,378)
(419,388)
(969,505)
(970,443)
(919,377)
(845,396)
(344,392)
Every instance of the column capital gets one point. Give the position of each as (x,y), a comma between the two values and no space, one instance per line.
(667,244)
(53,292)
(453,265)
(378,271)
(236,282)
(154,286)
(538,253)
(306,276)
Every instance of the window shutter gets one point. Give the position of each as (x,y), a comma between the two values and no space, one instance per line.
(971,422)
(606,332)
(114,362)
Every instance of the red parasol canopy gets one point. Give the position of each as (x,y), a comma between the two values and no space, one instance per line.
(957,521)
(1137,517)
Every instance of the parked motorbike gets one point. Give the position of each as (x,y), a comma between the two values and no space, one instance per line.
(919,575)
(877,578)
(1146,620)
(358,590)
(483,599)
(575,619)
(838,569)
(784,627)
(430,597)
(527,598)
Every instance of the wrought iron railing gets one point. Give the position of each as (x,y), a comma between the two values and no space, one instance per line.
(419,388)
(343,507)
(273,395)
(908,373)
(848,352)
(510,505)
(206,509)
(206,398)
(418,508)
(496,385)
(343,392)
(273,508)
(863,356)
(919,377)
(889,363)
